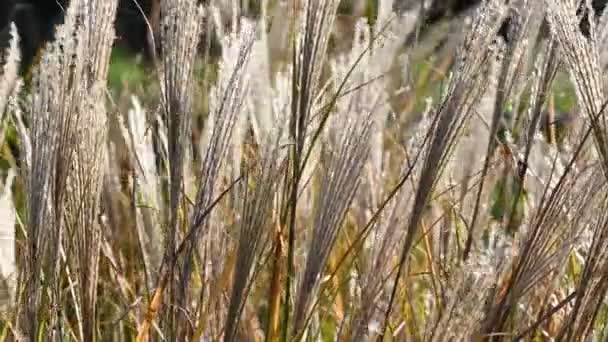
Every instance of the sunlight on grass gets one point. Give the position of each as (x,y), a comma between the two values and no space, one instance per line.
(308,180)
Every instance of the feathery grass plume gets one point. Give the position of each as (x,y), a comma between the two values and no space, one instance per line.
(543,75)
(87,170)
(219,128)
(82,207)
(10,69)
(463,307)
(557,222)
(151,207)
(8,265)
(309,50)
(181,23)
(63,116)
(602,37)
(278,115)
(365,87)
(592,285)
(51,141)
(365,71)
(532,160)
(477,155)
(226,111)
(517,23)
(267,99)
(462,93)
(255,95)
(546,244)
(223,136)
(339,184)
(581,55)
(9,87)
(386,237)
(254,232)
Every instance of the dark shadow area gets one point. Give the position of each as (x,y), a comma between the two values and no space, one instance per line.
(36,21)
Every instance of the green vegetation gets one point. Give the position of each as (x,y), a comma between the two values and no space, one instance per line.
(125,70)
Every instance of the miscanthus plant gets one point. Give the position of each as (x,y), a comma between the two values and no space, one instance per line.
(329,189)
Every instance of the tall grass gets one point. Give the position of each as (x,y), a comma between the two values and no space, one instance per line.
(298,187)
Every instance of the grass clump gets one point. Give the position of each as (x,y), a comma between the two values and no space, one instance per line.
(316,180)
